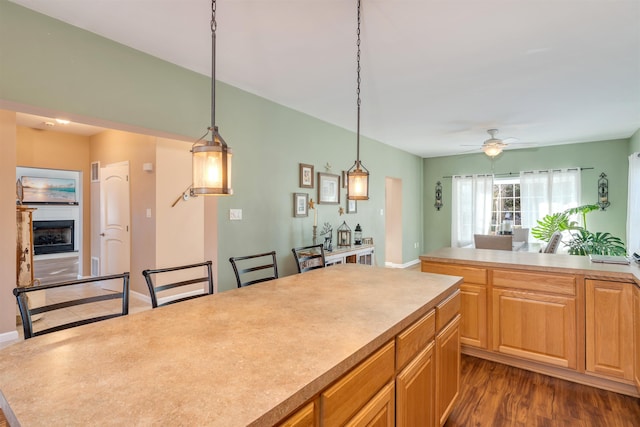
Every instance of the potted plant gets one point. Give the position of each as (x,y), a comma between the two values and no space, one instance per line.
(582,241)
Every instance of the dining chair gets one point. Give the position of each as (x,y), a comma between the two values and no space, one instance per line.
(554,243)
(488,241)
(309,257)
(252,269)
(162,283)
(84,292)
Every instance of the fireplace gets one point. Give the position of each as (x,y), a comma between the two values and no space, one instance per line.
(52,237)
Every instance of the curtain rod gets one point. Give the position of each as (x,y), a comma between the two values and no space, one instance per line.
(518,173)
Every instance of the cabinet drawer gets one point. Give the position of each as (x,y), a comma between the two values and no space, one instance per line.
(470,274)
(447,310)
(539,282)
(304,417)
(416,337)
(346,397)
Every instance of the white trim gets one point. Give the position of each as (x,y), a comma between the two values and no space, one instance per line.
(405,265)
(9,336)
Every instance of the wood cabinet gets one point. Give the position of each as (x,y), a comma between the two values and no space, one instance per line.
(415,383)
(378,412)
(304,417)
(413,380)
(636,313)
(534,317)
(609,328)
(561,316)
(344,400)
(473,303)
(447,357)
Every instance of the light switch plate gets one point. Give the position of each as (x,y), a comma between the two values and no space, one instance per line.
(235,214)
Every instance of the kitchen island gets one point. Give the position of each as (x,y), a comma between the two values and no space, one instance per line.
(310,349)
(556,314)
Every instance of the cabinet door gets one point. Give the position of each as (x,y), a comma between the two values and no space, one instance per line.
(415,391)
(447,369)
(535,326)
(473,309)
(609,328)
(305,417)
(378,412)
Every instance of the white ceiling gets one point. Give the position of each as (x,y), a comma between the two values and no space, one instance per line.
(436,74)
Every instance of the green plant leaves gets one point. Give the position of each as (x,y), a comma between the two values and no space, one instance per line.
(582,242)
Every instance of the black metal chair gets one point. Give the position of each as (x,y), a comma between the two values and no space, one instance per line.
(251,269)
(27,313)
(168,282)
(309,257)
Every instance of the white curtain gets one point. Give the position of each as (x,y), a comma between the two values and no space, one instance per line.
(633,205)
(471,208)
(546,192)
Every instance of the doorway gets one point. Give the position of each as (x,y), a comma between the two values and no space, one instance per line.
(115,236)
(393,222)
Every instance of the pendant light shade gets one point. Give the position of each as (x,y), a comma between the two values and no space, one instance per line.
(358,175)
(212,158)
(358,184)
(212,167)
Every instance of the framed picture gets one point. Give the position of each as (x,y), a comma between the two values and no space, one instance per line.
(352,206)
(300,205)
(40,190)
(306,176)
(328,188)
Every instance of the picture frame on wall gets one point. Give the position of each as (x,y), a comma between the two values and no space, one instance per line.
(306,175)
(328,188)
(352,206)
(300,205)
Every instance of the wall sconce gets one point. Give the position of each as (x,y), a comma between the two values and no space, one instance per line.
(603,192)
(438,203)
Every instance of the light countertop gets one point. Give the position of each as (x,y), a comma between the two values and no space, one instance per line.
(247,356)
(558,263)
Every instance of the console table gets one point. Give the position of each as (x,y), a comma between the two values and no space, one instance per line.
(357,254)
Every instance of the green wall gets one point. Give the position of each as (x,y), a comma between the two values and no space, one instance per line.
(609,157)
(47,64)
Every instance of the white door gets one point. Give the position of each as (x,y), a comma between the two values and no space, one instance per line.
(115,240)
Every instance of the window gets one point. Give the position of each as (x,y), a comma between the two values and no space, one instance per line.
(506,203)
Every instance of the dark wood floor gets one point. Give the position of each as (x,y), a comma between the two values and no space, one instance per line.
(495,395)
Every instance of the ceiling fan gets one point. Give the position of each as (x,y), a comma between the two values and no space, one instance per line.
(494,146)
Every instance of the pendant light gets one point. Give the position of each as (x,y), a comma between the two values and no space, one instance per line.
(212,159)
(358,175)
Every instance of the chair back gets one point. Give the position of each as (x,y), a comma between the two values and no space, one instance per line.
(252,269)
(554,242)
(487,241)
(309,257)
(84,292)
(162,283)
(521,235)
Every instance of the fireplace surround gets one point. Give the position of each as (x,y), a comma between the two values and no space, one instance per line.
(53,236)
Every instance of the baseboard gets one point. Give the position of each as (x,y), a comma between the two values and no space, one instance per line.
(622,387)
(9,336)
(405,265)
(140,297)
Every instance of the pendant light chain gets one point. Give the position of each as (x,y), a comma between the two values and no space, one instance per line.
(214,26)
(358,91)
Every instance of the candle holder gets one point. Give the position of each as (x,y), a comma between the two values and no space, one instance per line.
(315,234)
